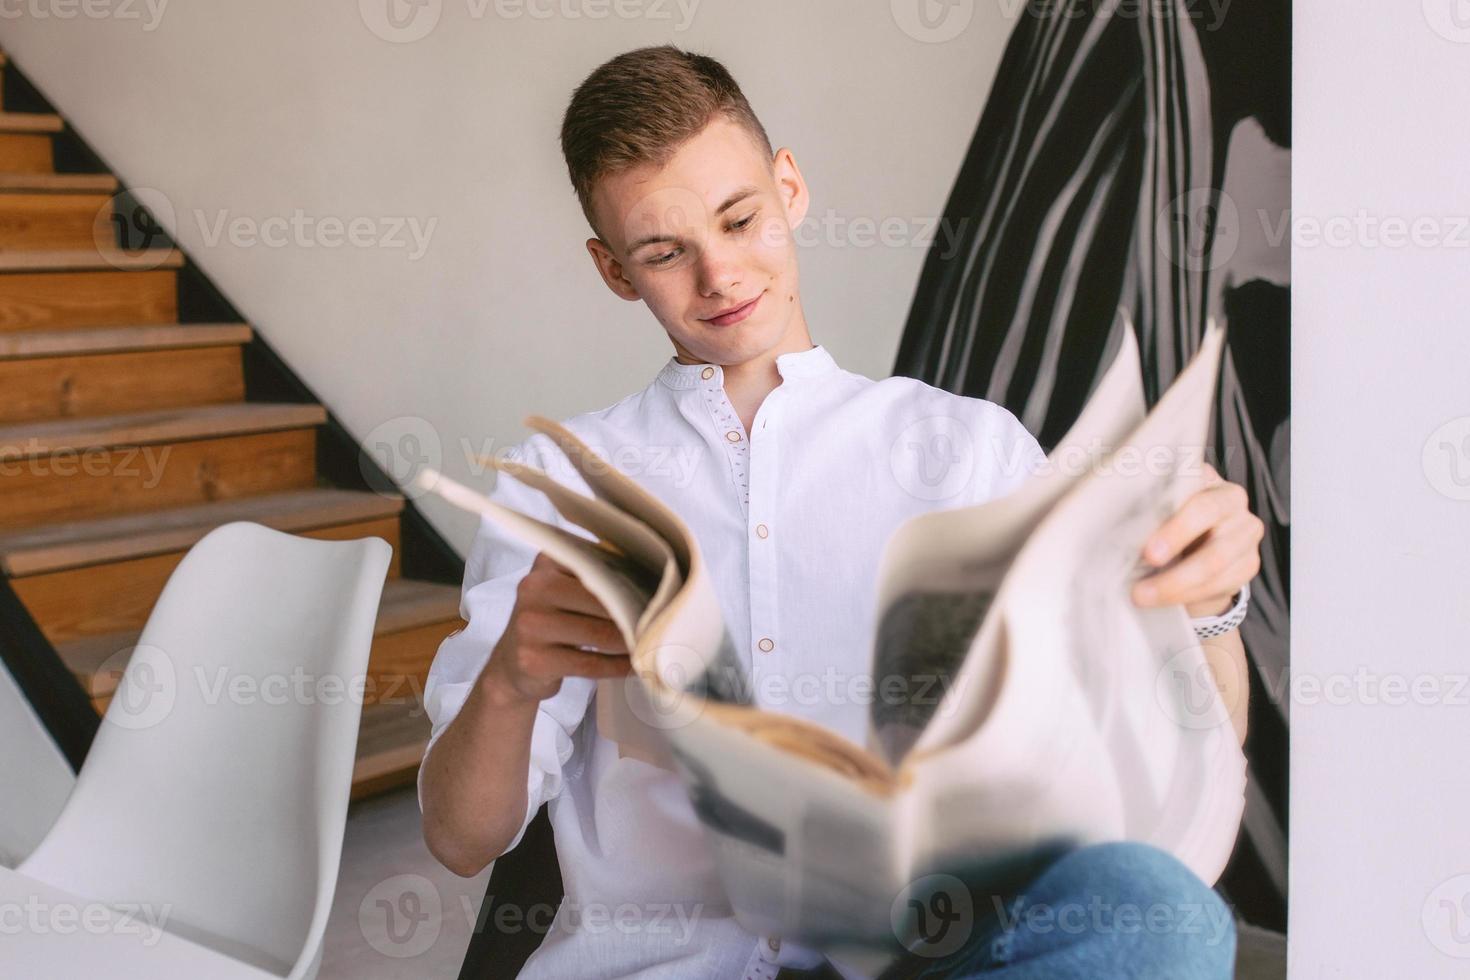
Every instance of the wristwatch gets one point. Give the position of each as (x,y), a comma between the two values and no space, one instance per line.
(1208,626)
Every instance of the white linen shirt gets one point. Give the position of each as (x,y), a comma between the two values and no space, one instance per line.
(792,518)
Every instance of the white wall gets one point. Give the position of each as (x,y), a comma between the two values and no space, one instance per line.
(260,109)
(1381,543)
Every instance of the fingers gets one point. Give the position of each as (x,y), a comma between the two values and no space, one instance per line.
(1217,568)
(566,592)
(557,627)
(552,662)
(1203,511)
(550,585)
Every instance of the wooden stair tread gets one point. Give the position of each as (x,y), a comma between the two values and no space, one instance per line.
(390,744)
(86,656)
(110,340)
(89,260)
(30,122)
(14,183)
(32,439)
(53,547)
(411,603)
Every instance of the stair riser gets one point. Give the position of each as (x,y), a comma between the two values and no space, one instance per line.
(53,300)
(397,667)
(376,775)
(105,482)
(25,153)
(119,596)
(56,221)
(104,384)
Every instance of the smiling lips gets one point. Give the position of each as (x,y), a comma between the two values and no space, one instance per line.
(736,315)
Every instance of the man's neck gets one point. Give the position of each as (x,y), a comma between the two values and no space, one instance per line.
(748,384)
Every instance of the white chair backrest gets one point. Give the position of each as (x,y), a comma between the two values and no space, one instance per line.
(217,787)
(35,777)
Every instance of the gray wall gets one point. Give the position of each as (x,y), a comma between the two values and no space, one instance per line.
(255,111)
(1381,537)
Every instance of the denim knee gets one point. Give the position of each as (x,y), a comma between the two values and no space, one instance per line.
(1132,905)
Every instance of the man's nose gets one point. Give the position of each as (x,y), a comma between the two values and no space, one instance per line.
(719,270)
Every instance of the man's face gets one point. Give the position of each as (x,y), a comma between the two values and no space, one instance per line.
(704,235)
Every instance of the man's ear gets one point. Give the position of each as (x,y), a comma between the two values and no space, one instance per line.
(790,186)
(611,269)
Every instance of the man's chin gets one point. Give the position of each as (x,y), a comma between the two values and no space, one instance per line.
(732,346)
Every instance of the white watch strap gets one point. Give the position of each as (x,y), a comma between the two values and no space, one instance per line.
(1208,626)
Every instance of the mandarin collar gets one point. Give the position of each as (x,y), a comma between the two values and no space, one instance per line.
(810,363)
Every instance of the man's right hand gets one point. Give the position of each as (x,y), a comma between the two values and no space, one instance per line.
(473,781)
(554,616)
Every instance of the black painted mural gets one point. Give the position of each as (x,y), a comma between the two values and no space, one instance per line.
(1136,155)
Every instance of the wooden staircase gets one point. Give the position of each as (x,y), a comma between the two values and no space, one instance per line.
(127,433)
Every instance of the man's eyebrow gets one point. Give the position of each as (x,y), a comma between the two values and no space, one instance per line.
(740,194)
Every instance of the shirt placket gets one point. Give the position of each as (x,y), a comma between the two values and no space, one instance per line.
(731,432)
(754,469)
(763,535)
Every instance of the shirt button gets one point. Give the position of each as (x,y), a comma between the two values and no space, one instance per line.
(761,531)
(766,644)
(707,373)
(732,435)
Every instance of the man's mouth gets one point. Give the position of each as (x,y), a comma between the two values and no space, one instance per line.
(735,314)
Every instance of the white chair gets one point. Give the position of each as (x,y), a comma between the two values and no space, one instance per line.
(35,776)
(214,798)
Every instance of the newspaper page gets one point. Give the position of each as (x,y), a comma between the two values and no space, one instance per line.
(940,572)
(1089,739)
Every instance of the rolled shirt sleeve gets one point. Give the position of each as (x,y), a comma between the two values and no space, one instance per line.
(497,562)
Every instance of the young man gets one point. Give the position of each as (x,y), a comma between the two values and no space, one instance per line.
(791,472)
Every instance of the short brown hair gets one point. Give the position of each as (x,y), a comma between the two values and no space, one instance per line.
(640,107)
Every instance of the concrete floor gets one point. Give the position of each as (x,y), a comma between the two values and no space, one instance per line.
(398,914)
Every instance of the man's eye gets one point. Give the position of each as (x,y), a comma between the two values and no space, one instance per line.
(743,223)
(665,258)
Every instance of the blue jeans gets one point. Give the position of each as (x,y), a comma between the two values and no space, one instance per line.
(1117,910)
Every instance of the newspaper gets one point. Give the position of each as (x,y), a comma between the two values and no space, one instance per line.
(1061,726)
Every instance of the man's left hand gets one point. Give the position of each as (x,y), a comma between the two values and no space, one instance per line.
(1216,540)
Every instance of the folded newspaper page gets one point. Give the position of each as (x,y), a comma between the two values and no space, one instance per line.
(1062,725)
